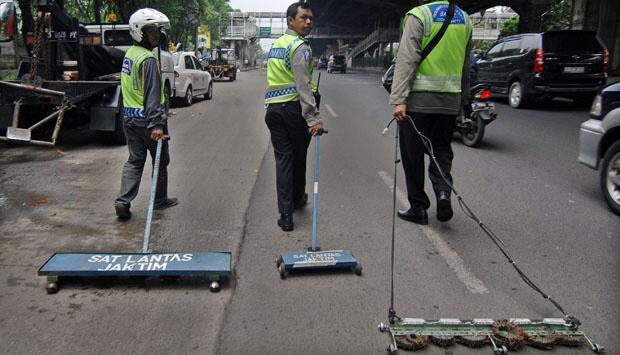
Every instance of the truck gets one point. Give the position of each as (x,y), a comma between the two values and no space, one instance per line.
(221,64)
(71,78)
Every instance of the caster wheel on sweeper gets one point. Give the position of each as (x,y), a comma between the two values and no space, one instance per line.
(214,286)
(51,288)
(502,350)
(598,348)
(282,271)
(358,269)
(278,261)
(392,349)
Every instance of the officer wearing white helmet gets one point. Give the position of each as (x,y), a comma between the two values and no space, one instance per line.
(144,117)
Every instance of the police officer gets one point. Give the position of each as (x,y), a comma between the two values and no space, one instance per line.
(432,94)
(144,117)
(292,111)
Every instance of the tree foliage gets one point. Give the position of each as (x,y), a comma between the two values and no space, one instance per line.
(509,27)
(558,17)
(480,46)
(185,15)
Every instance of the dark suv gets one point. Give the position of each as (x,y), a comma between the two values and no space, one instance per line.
(340,64)
(570,64)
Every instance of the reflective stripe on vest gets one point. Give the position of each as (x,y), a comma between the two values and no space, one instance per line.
(280,77)
(442,69)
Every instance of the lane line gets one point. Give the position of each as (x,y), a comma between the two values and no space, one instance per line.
(454,261)
(331,110)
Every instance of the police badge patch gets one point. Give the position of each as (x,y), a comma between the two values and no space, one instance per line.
(127,65)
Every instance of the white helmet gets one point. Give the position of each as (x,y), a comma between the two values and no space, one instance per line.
(146,17)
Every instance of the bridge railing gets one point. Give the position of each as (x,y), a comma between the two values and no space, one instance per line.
(380,35)
(246,31)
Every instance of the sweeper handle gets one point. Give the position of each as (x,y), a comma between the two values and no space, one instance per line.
(315,202)
(149,215)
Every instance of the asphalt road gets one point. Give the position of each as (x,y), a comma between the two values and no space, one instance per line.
(524,182)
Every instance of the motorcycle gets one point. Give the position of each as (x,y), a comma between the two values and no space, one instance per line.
(476,116)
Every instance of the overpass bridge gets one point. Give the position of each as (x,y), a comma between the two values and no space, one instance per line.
(379,20)
(273,25)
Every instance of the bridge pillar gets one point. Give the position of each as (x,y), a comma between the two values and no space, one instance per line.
(602,16)
(530,15)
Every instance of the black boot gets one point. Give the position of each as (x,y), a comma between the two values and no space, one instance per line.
(444,206)
(416,214)
(122,211)
(168,202)
(286,222)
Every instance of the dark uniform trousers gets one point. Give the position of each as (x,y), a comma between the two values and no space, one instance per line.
(139,142)
(290,139)
(439,129)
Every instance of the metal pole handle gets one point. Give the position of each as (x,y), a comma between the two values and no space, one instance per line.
(149,215)
(315,203)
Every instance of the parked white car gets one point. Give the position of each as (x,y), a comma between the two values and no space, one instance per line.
(190,78)
(117,36)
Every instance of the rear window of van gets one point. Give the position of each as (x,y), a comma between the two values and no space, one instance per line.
(579,42)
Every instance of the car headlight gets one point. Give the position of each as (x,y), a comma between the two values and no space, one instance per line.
(597,106)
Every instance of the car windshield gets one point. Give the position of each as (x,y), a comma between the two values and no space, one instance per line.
(117,38)
(339,59)
(571,42)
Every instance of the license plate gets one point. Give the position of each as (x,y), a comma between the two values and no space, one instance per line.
(479,106)
(575,70)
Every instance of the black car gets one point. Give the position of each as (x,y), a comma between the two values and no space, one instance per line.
(340,65)
(527,66)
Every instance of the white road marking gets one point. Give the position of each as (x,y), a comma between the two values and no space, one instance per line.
(454,261)
(331,110)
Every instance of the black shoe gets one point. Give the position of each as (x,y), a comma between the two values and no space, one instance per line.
(444,206)
(415,214)
(122,211)
(303,201)
(286,222)
(169,202)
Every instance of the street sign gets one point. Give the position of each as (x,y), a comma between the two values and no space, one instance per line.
(264,32)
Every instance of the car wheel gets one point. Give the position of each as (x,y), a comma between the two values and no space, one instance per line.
(209,94)
(516,95)
(189,98)
(610,177)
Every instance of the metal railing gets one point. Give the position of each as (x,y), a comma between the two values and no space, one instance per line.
(246,31)
(380,35)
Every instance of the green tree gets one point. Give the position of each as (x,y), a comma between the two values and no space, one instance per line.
(217,18)
(558,17)
(480,46)
(185,15)
(509,27)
